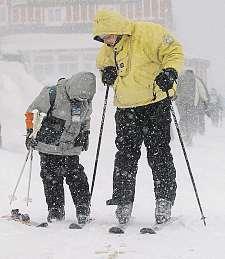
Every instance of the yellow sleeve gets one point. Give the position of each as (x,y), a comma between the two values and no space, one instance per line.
(170,52)
(105,57)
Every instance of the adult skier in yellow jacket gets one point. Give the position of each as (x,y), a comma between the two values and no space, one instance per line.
(141,60)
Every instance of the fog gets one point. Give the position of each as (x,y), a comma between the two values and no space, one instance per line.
(200,25)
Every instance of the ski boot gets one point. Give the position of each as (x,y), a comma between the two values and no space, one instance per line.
(57,214)
(162,211)
(123,213)
(16,215)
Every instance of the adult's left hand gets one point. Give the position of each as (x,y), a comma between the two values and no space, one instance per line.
(166,78)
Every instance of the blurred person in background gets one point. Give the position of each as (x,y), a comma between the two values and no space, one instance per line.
(201,104)
(192,99)
(215,107)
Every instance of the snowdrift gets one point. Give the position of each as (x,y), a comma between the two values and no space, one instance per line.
(17,89)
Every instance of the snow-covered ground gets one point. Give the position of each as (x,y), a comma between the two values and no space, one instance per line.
(187,238)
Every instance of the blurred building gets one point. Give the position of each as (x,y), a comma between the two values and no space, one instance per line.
(52,37)
(63,16)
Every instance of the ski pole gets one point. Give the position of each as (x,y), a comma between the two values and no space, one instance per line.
(29,177)
(186,159)
(99,139)
(20,175)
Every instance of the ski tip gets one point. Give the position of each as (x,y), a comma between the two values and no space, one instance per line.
(147,231)
(75,226)
(116,230)
(42,225)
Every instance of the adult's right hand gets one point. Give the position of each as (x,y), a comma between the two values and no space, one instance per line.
(109,75)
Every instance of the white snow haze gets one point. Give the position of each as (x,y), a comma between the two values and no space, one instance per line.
(200,25)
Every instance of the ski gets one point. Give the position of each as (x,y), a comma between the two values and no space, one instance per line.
(156,227)
(119,229)
(23,219)
(148,230)
(80,226)
(76,226)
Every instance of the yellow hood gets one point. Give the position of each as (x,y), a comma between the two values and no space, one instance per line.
(111,22)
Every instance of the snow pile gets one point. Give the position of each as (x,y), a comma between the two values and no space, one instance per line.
(17,89)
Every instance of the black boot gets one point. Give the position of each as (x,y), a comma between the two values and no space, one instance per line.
(56,214)
(83,213)
(162,211)
(123,213)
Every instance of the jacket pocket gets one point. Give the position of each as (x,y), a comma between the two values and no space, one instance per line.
(51,130)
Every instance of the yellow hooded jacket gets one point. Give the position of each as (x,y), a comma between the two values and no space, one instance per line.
(144,50)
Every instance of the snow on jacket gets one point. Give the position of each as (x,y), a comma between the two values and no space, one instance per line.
(81,86)
(144,50)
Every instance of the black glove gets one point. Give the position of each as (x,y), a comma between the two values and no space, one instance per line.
(166,78)
(83,140)
(109,75)
(30,142)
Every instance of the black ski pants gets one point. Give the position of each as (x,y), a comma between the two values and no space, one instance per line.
(149,124)
(53,170)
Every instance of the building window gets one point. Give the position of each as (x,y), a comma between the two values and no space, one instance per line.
(130,11)
(123,9)
(23,14)
(54,15)
(147,8)
(68,14)
(162,8)
(15,15)
(76,13)
(38,14)
(84,14)
(91,12)
(138,10)
(2,15)
(156,9)
(30,14)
